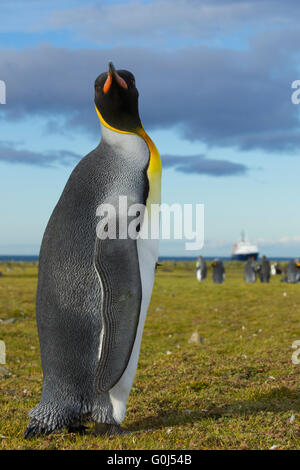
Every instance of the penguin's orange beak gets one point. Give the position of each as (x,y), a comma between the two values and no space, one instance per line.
(113,74)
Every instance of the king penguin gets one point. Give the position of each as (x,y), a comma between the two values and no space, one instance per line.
(94,290)
(292,272)
(218,271)
(264,270)
(250,271)
(201,269)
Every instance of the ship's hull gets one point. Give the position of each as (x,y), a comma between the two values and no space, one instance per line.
(244,257)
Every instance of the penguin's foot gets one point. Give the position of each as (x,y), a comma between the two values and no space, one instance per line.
(78,429)
(35,429)
(102,429)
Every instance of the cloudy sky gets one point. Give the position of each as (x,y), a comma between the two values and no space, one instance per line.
(215,95)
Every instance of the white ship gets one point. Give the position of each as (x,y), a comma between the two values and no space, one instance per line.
(244,249)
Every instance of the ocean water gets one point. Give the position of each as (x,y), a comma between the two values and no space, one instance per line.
(22,258)
(35,258)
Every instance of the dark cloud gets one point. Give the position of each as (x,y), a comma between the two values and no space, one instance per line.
(109,22)
(199,164)
(165,21)
(222,97)
(9,154)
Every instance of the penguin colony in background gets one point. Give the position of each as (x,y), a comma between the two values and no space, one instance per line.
(251,270)
(93,293)
(218,270)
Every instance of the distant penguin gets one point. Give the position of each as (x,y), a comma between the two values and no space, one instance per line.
(218,271)
(292,272)
(201,269)
(278,268)
(264,270)
(250,271)
(273,269)
(93,288)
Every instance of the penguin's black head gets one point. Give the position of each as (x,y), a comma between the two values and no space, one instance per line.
(116,99)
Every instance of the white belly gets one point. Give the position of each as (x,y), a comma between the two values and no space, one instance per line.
(147,254)
(135,147)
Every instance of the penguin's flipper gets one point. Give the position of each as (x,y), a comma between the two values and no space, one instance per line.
(117,265)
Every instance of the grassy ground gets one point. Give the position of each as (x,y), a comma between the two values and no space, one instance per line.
(237,389)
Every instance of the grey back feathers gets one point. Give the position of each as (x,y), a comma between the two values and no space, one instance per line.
(85,287)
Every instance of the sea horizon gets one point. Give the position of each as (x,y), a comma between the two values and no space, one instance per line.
(35,258)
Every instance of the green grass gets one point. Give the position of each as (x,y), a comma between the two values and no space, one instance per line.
(237,389)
